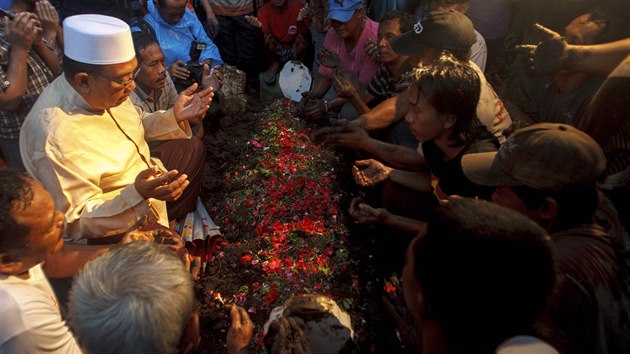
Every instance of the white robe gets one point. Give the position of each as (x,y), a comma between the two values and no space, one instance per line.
(88,164)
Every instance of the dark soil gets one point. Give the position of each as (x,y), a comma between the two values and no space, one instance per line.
(226,141)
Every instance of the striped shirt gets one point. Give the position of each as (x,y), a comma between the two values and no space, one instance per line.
(383,86)
(162,100)
(232,7)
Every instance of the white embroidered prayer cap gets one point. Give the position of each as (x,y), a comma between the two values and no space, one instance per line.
(97,39)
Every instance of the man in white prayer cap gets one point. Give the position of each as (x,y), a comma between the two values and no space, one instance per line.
(85,142)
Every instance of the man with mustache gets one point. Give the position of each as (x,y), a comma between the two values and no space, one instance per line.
(85,142)
(155,91)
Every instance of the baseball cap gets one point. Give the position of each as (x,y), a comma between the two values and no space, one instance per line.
(97,39)
(543,156)
(342,10)
(448,30)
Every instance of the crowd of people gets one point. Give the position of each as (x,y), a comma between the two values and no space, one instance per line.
(510,203)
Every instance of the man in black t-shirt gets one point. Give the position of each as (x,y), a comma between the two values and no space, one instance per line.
(446,131)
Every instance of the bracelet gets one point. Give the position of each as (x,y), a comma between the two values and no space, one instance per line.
(47,44)
(326,106)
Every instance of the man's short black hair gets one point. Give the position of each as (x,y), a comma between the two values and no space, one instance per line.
(485,272)
(73,67)
(16,192)
(453,87)
(404,18)
(142,39)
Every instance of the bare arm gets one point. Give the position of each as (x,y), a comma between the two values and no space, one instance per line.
(346,88)
(403,223)
(320,86)
(598,59)
(344,133)
(397,156)
(368,173)
(383,115)
(608,110)
(47,47)
(20,32)
(359,105)
(419,181)
(366,214)
(312,106)
(553,53)
(71,259)
(49,55)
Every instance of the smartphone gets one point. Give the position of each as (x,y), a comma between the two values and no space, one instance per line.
(212,80)
(5,13)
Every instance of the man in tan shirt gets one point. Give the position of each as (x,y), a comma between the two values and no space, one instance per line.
(85,142)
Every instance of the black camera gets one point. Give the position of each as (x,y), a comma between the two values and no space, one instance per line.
(5,13)
(193,66)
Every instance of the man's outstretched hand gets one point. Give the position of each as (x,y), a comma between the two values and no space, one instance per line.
(365,214)
(191,106)
(241,331)
(369,173)
(311,108)
(343,84)
(548,56)
(342,133)
(151,183)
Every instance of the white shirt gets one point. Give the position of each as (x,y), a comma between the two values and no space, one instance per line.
(490,109)
(31,320)
(479,51)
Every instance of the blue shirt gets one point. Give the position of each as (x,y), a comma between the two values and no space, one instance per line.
(175,39)
(5,4)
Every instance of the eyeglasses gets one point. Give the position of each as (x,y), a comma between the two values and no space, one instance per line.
(124,84)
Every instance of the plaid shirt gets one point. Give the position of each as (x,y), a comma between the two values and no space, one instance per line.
(38,76)
(382,86)
(163,100)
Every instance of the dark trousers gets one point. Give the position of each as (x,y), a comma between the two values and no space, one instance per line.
(186,156)
(236,41)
